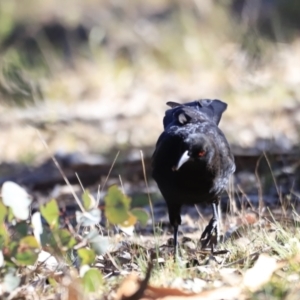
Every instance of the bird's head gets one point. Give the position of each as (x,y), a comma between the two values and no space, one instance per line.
(198,148)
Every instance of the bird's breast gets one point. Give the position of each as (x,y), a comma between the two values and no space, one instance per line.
(193,176)
(191,184)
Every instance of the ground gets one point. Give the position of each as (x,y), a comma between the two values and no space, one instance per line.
(99,86)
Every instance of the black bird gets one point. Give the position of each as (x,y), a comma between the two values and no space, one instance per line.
(192,162)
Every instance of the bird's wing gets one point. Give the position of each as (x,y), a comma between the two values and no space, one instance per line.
(168,149)
(217,107)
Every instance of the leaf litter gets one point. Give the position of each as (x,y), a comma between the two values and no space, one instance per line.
(100,256)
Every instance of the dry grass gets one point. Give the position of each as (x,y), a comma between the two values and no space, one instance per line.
(262,239)
(263,263)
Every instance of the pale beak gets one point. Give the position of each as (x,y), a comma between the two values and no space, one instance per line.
(183,159)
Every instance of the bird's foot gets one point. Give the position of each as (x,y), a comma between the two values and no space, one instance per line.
(210,236)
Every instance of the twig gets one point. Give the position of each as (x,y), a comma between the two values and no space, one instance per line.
(61,172)
(140,292)
(260,193)
(76,174)
(116,157)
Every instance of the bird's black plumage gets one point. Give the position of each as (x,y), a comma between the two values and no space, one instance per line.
(192,161)
(211,108)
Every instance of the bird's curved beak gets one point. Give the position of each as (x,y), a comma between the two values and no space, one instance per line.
(183,159)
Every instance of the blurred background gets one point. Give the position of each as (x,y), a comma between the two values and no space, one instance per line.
(93,76)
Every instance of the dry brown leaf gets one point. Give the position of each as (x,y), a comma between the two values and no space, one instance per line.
(174,294)
(248,219)
(131,284)
(166,293)
(72,284)
(75,291)
(260,273)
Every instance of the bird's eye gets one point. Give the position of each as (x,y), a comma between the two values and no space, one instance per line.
(182,119)
(201,153)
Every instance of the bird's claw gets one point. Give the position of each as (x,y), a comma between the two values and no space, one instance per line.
(210,236)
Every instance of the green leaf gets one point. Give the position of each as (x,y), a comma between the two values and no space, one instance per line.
(91,280)
(87,256)
(50,212)
(29,241)
(13,247)
(129,222)
(22,228)
(27,252)
(2,241)
(46,238)
(88,200)
(3,212)
(141,215)
(26,257)
(116,206)
(4,236)
(62,239)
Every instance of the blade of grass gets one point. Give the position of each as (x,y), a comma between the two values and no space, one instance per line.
(61,172)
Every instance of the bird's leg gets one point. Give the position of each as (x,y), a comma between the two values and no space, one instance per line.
(175,226)
(210,235)
(175,221)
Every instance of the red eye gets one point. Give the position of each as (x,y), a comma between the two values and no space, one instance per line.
(201,153)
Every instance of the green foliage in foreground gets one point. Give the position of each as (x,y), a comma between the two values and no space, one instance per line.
(23,238)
